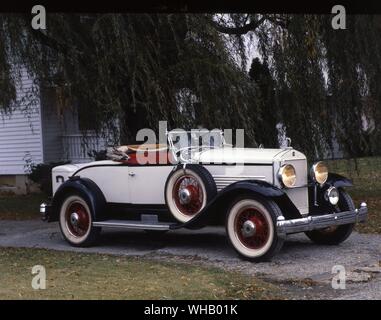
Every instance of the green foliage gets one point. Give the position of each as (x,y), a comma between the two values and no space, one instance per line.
(327,81)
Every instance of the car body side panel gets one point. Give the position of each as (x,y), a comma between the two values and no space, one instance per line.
(130,184)
(112,180)
(147,184)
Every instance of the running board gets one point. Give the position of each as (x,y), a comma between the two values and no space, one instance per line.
(131,224)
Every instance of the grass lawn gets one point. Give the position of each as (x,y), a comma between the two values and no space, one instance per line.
(96,276)
(366,176)
(16,207)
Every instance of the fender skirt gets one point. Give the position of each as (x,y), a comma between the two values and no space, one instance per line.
(86,188)
(219,204)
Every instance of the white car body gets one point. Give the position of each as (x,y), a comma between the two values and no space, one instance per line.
(261,195)
(145,184)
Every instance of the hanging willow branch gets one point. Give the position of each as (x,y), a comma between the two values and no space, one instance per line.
(320,84)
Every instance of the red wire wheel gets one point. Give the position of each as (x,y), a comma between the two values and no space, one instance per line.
(188,190)
(188,195)
(252,228)
(77,219)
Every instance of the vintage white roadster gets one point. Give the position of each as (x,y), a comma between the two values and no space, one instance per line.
(260,195)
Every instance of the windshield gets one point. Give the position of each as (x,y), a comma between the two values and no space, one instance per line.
(195,140)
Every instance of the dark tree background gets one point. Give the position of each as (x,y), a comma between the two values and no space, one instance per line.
(319,83)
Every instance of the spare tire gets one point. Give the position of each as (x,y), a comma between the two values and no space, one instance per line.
(188,191)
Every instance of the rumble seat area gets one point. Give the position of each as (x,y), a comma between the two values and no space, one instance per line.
(149,157)
(145,147)
(145,154)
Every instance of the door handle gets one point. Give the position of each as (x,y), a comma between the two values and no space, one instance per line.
(131,174)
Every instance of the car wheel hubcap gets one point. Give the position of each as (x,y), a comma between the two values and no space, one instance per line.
(188,195)
(252,228)
(77,219)
(185,196)
(74,218)
(248,229)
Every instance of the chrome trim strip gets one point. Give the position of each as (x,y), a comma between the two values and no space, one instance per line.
(128,224)
(309,223)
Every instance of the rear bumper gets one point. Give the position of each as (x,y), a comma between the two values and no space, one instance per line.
(309,223)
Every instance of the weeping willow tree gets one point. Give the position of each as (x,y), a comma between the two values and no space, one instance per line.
(321,85)
(138,69)
(327,81)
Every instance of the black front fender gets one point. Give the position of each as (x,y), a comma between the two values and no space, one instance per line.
(84,187)
(219,204)
(338,181)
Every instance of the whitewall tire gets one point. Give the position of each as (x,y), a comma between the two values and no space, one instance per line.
(188,191)
(251,228)
(75,219)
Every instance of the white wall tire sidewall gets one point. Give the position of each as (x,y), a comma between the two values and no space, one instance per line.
(63,223)
(176,213)
(232,233)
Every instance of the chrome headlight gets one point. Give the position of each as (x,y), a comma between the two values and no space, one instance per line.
(319,172)
(332,195)
(287,175)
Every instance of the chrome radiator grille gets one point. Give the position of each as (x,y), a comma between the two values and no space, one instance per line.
(299,194)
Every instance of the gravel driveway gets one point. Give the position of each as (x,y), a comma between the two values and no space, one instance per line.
(303,269)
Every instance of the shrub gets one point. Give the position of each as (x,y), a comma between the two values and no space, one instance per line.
(42,175)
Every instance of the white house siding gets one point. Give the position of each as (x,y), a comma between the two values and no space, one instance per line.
(20,132)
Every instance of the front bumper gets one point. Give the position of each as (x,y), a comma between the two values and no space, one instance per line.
(285,227)
(45,209)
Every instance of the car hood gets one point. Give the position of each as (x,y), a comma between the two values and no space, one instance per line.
(246,155)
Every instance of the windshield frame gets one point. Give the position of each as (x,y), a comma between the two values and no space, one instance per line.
(192,143)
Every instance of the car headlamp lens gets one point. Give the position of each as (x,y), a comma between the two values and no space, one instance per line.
(319,172)
(332,195)
(287,175)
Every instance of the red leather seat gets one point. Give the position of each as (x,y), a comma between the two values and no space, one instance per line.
(146,154)
(149,158)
